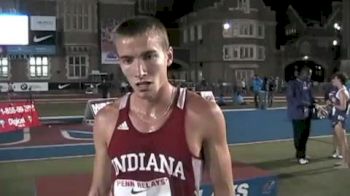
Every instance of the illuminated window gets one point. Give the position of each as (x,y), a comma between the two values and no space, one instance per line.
(38,67)
(244,52)
(243,28)
(4,67)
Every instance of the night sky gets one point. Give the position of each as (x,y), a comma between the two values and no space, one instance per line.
(307,9)
(310,9)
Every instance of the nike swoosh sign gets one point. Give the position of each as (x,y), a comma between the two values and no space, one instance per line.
(40,39)
(133,192)
(62,86)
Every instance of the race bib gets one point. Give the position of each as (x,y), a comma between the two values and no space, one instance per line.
(156,187)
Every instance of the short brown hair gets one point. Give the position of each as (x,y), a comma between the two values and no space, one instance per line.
(342,77)
(139,25)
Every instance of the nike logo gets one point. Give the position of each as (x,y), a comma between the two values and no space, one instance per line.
(40,39)
(134,192)
(62,86)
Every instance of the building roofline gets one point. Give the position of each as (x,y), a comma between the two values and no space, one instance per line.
(330,19)
(297,15)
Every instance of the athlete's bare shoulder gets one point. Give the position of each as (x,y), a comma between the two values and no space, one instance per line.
(202,112)
(201,106)
(106,119)
(108,112)
(205,123)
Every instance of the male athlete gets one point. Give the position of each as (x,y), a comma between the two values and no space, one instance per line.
(340,106)
(154,140)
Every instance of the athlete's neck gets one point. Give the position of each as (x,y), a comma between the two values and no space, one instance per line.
(158,105)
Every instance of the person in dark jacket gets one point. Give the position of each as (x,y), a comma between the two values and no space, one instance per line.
(105,88)
(299,105)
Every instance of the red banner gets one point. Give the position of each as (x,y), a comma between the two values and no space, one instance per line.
(17,115)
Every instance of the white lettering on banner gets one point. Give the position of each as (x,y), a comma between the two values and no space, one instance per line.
(28,108)
(16,110)
(208,95)
(98,106)
(240,189)
(17,115)
(43,23)
(17,122)
(25,86)
(8,111)
(2,123)
(156,162)
(19,109)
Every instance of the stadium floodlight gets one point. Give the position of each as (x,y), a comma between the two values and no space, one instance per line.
(226,25)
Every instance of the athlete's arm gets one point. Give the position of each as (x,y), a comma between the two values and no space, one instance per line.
(216,153)
(101,181)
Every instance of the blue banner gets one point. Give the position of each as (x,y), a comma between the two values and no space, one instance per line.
(259,186)
(31,50)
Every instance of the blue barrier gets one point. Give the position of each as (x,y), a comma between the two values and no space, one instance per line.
(44,152)
(242,127)
(13,136)
(264,125)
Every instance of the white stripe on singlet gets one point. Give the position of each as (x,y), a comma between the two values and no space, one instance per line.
(197,165)
(182,98)
(123,101)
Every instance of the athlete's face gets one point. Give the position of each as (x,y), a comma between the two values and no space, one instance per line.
(335,81)
(144,61)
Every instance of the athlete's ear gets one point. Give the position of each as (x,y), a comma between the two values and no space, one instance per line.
(170,56)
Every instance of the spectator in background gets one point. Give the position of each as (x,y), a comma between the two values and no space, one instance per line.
(105,86)
(123,87)
(270,92)
(239,100)
(256,85)
(10,87)
(299,104)
(221,100)
(10,90)
(263,93)
(277,87)
(244,87)
(347,84)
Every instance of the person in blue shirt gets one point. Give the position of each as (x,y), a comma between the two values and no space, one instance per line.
(256,84)
(299,105)
(239,100)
